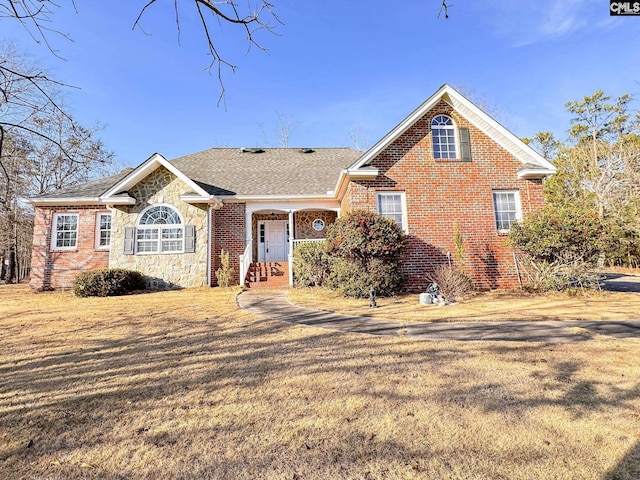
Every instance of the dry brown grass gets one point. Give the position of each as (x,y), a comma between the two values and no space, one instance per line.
(181,385)
(495,305)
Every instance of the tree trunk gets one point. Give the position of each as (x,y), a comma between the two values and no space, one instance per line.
(11,274)
(3,267)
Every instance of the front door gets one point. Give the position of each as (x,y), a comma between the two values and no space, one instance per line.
(273,246)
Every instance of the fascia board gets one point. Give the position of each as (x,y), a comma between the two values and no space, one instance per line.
(362,174)
(275,198)
(208,199)
(352,174)
(147,167)
(535,173)
(80,201)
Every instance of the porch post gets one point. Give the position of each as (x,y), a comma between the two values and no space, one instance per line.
(292,234)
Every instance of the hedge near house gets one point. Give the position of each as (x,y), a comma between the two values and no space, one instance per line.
(311,264)
(365,250)
(559,248)
(108,282)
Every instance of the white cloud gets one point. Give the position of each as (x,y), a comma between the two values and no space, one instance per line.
(525,23)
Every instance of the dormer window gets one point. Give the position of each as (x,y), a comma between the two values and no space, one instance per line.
(449,142)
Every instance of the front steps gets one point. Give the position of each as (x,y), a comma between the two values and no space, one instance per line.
(268,275)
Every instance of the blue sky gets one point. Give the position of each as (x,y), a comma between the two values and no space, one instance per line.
(333,68)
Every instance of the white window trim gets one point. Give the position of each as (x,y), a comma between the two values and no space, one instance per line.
(516,197)
(98,230)
(456,140)
(403,202)
(159,227)
(54,231)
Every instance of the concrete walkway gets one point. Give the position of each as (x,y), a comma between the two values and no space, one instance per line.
(274,304)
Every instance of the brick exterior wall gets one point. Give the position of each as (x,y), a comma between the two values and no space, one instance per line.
(443,193)
(228,233)
(59,268)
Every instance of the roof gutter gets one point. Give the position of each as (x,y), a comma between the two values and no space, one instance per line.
(353,174)
(79,201)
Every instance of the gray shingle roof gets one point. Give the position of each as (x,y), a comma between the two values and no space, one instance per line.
(92,189)
(234,171)
(275,171)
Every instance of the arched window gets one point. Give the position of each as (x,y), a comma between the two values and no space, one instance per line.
(160,230)
(443,132)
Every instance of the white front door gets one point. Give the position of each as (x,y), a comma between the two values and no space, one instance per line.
(273,245)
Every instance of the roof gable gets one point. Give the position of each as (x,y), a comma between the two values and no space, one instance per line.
(143,170)
(533,163)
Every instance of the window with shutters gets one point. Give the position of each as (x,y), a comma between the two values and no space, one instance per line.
(160,230)
(449,142)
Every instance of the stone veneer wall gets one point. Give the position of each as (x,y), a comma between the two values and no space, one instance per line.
(164,270)
(304,223)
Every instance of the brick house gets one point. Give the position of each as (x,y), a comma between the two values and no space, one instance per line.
(446,166)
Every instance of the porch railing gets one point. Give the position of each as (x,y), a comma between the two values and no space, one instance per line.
(298,241)
(245,261)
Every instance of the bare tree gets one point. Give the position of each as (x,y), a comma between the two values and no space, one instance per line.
(360,142)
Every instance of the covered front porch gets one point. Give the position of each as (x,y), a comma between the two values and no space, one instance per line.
(272,234)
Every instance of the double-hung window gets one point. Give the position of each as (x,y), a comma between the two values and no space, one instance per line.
(160,230)
(103,230)
(392,205)
(65,231)
(506,205)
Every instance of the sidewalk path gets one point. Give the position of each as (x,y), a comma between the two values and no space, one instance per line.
(274,304)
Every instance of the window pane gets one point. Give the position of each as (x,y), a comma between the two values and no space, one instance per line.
(66,231)
(390,206)
(506,209)
(160,215)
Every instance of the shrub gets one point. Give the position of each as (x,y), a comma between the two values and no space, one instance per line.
(353,277)
(454,284)
(366,252)
(554,234)
(558,275)
(108,282)
(559,248)
(225,273)
(365,235)
(311,264)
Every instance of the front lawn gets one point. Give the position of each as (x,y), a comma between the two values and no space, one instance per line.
(495,305)
(183,385)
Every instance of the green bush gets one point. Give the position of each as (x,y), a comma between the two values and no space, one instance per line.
(366,251)
(108,282)
(311,264)
(554,234)
(559,248)
(352,277)
(365,235)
